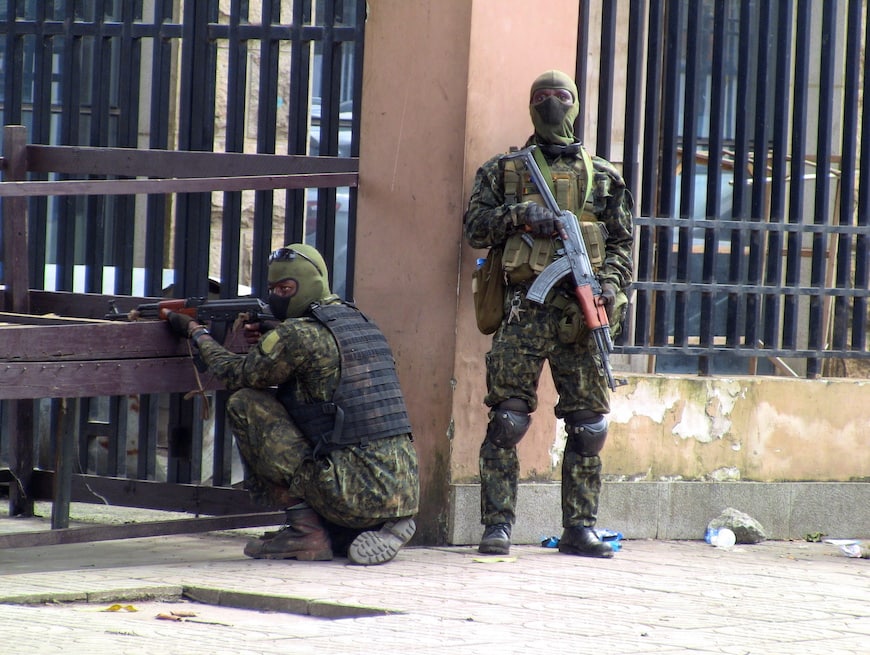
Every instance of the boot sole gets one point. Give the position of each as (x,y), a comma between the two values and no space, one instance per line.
(568,550)
(381,546)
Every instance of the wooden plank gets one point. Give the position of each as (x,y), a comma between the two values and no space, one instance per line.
(150,494)
(180,185)
(134,162)
(138,530)
(55,340)
(15,265)
(109,377)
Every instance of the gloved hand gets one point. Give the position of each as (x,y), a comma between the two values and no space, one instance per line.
(607,297)
(253,331)
(179,324)
(540,220)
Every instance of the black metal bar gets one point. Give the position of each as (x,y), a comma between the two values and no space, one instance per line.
(740,351)
(648,201)
(737,261)
(264,203)
(848,168)
(818,316)
(633,94)
(796,201)
(130,59)
(688,164)
(359,22)
(862,242)
(664,268)
(63,462)
(41,121)
(606,79)
(581,66)
(231,225)
(13,77)
(714,173)
(157,209)
(759,157)
(779,173)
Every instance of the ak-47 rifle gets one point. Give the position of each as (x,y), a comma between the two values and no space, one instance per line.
(574,262)
(219,314)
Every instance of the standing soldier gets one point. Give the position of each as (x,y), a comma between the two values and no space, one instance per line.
(506,214)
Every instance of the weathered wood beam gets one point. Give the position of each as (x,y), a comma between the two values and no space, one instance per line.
(180,185)
(136,162)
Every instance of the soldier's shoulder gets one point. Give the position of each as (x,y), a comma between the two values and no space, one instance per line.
(605,167)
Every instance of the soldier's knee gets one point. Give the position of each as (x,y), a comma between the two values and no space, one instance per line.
(508,423)
(587,432)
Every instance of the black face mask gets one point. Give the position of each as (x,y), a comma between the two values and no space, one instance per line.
(278,305)
(552,110)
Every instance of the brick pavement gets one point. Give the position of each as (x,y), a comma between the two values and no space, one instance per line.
(654,597)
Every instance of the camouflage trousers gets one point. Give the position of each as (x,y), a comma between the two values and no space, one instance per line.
(530,335)
(352,487)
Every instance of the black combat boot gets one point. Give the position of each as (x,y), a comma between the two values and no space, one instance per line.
(303,538)
(583,541)
(496,539)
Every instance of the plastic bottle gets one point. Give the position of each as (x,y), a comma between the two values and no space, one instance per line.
(721,537)
(725,538)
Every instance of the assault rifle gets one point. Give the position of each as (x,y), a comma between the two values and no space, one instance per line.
(220,314)
(574,262)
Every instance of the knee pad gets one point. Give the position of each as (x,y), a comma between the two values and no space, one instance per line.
(508,424)
(587,432)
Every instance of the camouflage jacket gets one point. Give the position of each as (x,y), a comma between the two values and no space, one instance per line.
(488,223)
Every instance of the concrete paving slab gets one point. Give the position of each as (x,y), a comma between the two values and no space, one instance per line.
(655,597)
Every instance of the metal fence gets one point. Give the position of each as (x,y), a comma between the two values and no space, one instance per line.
(274,76)
(744,137)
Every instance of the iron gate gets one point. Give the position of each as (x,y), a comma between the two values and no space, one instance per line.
(754,209)
(274,76)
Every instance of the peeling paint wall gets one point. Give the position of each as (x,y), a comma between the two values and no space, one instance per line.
(748,428)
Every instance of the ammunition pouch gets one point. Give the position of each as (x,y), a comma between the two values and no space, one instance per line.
(526,256)
(488,290)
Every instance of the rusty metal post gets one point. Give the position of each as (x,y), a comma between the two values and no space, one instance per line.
(16,298)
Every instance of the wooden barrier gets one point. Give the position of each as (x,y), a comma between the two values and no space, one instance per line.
(72,353)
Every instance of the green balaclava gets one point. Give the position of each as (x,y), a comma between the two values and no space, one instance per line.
(304,265)
(553,119)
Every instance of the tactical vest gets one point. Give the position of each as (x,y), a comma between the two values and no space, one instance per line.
(368,403)
(526,256)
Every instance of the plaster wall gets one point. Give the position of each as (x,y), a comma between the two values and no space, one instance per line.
(415,87)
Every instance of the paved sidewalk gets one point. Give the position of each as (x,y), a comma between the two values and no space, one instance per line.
(654,597)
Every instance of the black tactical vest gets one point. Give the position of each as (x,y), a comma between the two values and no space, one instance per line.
(368,402)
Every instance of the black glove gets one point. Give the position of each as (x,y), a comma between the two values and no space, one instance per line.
(179,324)
(608,296)
(540,220)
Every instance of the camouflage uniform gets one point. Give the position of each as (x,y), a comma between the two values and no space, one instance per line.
(529,335)
(354,487)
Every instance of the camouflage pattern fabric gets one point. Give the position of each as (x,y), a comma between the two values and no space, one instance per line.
(530,334)
(352,487)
